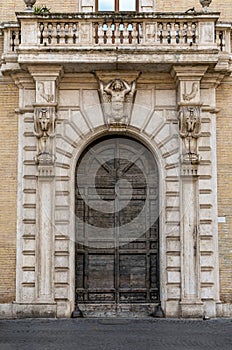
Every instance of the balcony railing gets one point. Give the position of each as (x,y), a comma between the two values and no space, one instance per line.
(97,31)
(119,33)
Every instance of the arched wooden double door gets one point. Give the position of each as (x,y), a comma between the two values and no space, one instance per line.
(117,224)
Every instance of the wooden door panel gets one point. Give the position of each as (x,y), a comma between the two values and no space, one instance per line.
(115,264)
(101,271)
(132,271)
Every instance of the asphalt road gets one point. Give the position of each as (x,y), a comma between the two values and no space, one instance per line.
(115,334)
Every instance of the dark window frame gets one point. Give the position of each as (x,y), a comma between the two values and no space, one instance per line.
(116,6)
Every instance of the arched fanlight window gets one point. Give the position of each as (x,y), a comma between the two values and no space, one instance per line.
(117,5)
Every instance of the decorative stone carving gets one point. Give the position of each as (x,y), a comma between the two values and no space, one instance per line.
(117,99)
(189,169)
(44,125)
(42,92)
(29,4)
(192,94)
(190,131)
(205,4)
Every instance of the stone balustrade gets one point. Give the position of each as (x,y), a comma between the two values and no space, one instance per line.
(136,30)
(164,38)
(223,37)
(121,32)
(12,36)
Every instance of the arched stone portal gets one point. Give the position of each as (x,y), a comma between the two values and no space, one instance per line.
(117,228)
(187,284)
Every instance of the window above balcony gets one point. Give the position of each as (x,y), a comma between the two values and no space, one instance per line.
(117,5)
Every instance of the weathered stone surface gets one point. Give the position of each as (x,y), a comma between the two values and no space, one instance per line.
(60,114)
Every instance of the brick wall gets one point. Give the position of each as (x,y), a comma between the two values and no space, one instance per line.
(224,156)
(8,188)
(8,8)
(222,6)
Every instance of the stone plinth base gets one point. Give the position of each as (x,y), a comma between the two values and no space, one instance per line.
(119,310)
(191,309)
(224,310)
(6,311)
(172,308)
(41,310)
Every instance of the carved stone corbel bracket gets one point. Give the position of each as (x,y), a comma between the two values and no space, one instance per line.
(46,91)
(44,126)
(190,131)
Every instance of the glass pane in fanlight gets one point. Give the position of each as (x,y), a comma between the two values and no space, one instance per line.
(105,5)
(127,5)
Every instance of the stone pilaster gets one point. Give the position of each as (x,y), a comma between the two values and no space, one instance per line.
(188,84)
(191,304)
(44,130)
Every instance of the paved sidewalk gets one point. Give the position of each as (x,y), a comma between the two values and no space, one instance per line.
(115,334)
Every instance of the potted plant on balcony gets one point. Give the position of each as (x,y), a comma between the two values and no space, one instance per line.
(39,10)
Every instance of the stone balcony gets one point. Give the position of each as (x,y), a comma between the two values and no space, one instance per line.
(144,41)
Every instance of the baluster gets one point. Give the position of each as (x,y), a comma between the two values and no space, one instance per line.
(173,32)
(177,32)
(117,34)
(121,30)
(194,33)
(189,33)
(70,33)
(185,33)
(20,37)
(130,33)
(100,34)
(75,34)
(58,32)
(40,33)
(54,33)
(62,34)
(160,33)
(125,34)
(109,34)
(12,41)
(17,38)
(50,30)
(192,36)
(113,32)
(169,35)
(181,28)
(45,34)
(66,32)
(221,40)
(105,30)
(137,33)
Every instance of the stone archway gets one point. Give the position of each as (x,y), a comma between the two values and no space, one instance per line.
(117,226)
